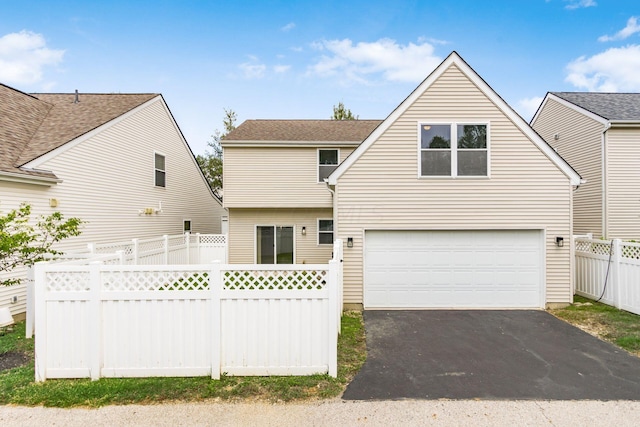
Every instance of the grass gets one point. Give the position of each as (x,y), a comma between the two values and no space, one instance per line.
(17,386)
(608,323)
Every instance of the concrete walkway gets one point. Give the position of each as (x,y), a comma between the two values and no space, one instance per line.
(337,413)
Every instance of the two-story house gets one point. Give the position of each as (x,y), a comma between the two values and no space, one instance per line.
(599,134)
(452,201)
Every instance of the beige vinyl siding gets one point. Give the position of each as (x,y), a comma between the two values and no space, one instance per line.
(110,176)
(269,177)
(242,230)
(623,183)
(579,143)
(525,191)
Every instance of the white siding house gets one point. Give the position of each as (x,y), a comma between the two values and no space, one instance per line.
(118,162)
(599,135)
(453,201)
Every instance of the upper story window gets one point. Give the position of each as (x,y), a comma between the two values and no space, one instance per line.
(327,162)
(160,172)
(453,150)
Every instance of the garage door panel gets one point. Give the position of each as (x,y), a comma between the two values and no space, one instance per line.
(453,269)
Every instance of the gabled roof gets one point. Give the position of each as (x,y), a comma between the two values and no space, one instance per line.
(455,60)
(34,124)
(610,106)
(261,131)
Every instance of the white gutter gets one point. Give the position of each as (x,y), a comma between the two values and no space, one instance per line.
(28,179)
(605,224)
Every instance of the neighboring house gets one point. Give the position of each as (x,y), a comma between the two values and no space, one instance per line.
(452,201)
(117,161)
(599,135)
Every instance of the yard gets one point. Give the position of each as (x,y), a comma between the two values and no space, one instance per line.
(17,385)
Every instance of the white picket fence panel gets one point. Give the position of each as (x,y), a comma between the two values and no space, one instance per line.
(614,262)
(102,320)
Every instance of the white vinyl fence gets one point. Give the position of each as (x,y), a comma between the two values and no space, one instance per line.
(612,262)
(165,250)
(108,320)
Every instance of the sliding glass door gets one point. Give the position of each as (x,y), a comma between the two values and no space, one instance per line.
(274,244)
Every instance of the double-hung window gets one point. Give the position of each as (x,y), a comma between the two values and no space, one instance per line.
(325,231)
(327,162)
(160,172)
(456,149)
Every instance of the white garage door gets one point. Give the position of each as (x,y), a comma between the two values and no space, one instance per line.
(453,269)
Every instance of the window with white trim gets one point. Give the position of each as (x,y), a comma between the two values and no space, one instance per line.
(160,172)
(327,162)
(186,225)
(325,231)
(466,156)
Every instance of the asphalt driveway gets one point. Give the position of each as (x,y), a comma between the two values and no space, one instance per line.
(473,354)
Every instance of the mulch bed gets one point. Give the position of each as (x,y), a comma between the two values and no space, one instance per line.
(12,359)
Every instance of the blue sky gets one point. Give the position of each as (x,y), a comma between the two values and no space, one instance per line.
(296,59)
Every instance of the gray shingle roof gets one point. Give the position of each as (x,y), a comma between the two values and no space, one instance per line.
(303,130)
(34,124)
(611,106)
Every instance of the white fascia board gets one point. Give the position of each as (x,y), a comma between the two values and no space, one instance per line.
(33,164)
(455,59)
(570,105)
(288,144)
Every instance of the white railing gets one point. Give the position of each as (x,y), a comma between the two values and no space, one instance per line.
(168,250)
(101,320)
(608,270)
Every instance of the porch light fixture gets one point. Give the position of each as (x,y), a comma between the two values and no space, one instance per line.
(304,231)
(559,241)
(349,242)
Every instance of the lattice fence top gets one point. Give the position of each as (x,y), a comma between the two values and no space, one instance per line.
(151,245)
(109,248)
(213,238)
(67,281)
(593,246)
(630,250)
(274,280)
(155,281)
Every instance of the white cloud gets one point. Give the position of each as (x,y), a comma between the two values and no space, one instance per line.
(253,69)
(24,55)
(631,28)
(281,68)
(290,26)
(577,4)
(527,107)
(614,70)
(358,62)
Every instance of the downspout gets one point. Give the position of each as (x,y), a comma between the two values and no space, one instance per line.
(605,222)
(334,213)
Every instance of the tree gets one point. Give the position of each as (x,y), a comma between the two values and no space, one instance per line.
(342,113)
(24,244)
(211,162)
(473,136)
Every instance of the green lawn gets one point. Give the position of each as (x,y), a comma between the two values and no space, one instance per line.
(608,323)
(17,385)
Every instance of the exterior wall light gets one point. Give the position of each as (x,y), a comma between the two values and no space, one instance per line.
(559,241)
(304,231)
(349,242)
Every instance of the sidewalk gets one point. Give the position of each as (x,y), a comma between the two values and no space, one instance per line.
(337,413)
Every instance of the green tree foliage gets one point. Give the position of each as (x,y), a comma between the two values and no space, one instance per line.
(340,112)
(473,136)
(211,162)
(22,243)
